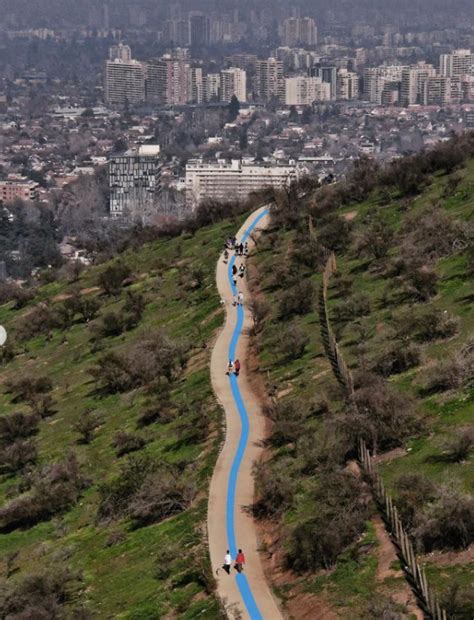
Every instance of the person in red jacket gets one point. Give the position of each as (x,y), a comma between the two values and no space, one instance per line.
(240,561)
(236,368)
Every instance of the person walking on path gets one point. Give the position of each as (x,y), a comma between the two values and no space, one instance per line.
(242,270)
(234,270)
(240,561)
(234,299)
(241,249)
(236,368)
(227,563)
(240,299)
(230,367)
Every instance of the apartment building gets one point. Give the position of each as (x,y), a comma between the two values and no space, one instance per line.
(233,82)
(347,85)
(232,181)
(135,183)
(301,90)
(124,82)
(299,31)
(269,81)
(23,189)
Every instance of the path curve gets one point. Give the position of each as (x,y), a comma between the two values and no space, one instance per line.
(232,484)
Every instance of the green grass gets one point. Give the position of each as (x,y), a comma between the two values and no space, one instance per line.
(119,580)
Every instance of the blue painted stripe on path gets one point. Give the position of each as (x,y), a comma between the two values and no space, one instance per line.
(242,582)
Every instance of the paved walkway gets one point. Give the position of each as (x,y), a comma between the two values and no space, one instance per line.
(232,485)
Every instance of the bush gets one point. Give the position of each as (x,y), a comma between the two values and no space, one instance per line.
(385,417)
(426,324)
(124,442)
(293,342)
(113,277)
(13,292)
(447,523)
(461,446)
(259,310)
(334,233)
(356,306)
(396,357)
(39,320)
(85,425)
(145,492)
(275,488)
(413,491)
(163,494)
(53,489)
(28,387)
(376,239)
(453,373)
(16,456)
(337,520)
(288,421)
(297,300)
(42,595)
(17,426)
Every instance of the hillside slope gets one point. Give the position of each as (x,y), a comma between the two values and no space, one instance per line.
(401,306)
(108,435)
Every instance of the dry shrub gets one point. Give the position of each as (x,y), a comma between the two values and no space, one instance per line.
(454,373)
(16,456)
(42,595)
(297,300)
(426,324)
(39,320)
(395,357)
(288,419)
(384,417)
(53,488)
(17,425)
(275,487)
(447,522)
(124,442)
(292,342)
(340,510)
(145,491)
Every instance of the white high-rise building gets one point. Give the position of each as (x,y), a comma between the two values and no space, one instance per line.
(212,86)
(347,85)
(269,81)
(302,90)
(299,31)
(412,82)
(195,85)
(120,52)
(232,181)
(436,90)
(168,81)
(124,82)
(457,64)
(233,82)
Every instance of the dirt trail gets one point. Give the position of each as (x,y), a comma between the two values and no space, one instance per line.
(234,590)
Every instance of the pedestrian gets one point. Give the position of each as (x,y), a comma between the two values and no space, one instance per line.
(242,270)
(241,249)
(236,368)
(246,248)
(234,269)
(234,280)
(227,562)
(239,561)
(240,299)
(230,368)
(234,299)
(226,256)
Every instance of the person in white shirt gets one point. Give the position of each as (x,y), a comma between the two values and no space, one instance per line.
(227,563)
(240,299)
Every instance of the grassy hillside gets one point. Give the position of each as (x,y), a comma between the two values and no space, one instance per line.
(401,306)
(99,532)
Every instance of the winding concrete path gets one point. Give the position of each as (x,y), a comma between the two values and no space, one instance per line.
(232,485)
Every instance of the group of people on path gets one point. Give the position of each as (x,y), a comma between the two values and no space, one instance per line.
(239,562)
(233,367)
(241,249)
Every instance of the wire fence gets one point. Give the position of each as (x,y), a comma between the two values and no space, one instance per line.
(414,573)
